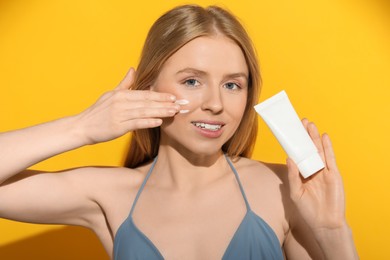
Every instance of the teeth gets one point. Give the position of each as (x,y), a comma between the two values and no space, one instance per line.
(208,126)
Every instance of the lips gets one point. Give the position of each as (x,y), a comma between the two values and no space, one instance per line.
(210,129)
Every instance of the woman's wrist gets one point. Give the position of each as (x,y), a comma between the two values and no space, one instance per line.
(337,243)
(78,132)
(54,137)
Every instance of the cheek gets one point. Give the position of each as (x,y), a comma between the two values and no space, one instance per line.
(236,105)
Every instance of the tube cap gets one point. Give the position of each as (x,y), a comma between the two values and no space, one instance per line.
(310,165)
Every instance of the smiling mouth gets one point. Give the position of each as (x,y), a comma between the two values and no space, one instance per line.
(206,126)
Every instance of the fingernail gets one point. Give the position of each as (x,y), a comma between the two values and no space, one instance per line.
(182,102)
(183,111)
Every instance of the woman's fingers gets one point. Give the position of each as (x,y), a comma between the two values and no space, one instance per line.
(120,111)
(149,95)
(127,81)
(143,123)
(305,123)
(151,112)
(329,153)
(314,134)
(150,104)
(324,146)
(316,137)
(144,104)
(294,178)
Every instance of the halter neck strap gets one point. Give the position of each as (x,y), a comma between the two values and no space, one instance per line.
(248,207)
(143,185)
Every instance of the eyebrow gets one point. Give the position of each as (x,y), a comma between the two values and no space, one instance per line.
(202,73)
(192,70)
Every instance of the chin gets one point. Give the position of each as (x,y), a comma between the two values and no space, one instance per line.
(191,147)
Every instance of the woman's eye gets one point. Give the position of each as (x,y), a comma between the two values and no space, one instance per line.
(192,82)
(232,86)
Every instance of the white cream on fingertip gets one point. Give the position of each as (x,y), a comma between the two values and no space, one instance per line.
(182,102)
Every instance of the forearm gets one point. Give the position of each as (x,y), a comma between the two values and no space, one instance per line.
(337,243)
(23,148)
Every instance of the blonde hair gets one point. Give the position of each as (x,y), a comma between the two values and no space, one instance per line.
(167,35)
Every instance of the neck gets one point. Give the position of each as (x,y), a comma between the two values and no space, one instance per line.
(188,172)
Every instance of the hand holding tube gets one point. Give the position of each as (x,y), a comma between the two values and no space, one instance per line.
(322,191)
(320,200)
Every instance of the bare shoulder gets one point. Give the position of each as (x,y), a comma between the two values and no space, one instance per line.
(269,172)
(267,189)
(265,178)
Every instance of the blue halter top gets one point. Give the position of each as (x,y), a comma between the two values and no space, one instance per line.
(254,238)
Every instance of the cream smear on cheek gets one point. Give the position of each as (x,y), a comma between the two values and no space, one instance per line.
(183,102)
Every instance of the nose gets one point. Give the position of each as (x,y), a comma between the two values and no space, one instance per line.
(212,100)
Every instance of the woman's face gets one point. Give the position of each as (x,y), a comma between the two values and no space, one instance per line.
(211,73)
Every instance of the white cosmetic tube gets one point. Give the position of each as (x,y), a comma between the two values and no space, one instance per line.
(280,116)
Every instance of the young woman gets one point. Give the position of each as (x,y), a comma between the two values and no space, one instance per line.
(189,190)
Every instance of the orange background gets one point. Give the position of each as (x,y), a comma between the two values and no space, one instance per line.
(332,57)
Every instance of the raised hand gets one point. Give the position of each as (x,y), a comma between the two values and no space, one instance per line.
(319,198)
(122,110)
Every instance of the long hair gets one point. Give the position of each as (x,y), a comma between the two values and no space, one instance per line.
(167,35)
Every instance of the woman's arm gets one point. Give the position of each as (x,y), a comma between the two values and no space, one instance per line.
(320,205)
(60,197)
(23,148)
(114,114)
